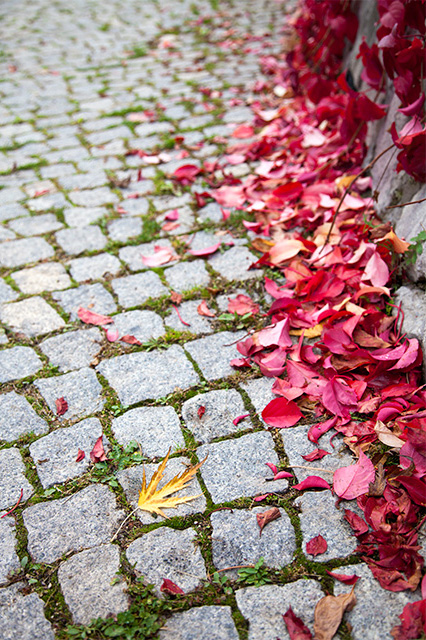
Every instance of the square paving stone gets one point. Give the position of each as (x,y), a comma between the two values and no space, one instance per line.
(211,211)
(319,516)
(6,292)
(143,325)
(83,180)
(17,363)
(185,221)
(36,225)
(135,206)
(237,467)
(19,252)
(9,559)
(168,553)
(12,478)
(44,277)
(89,296)
(86,520)
(32,317)
(91,586)
(201,623)
(221,407)
(55,454)
(234,264)
(17,417)
(131,481)
(260,394)
(236,540)
(83,216)
(9,211)
(156,429)
(81,389)
(376,609)
(73,350)
(95,267)
(198,324)
(125,228)
(49,201)
(22,616)
(75,241)
(137,289)
(93,197)
(6,234)
(265,606)
(296,445)
(187,275)
(145,375)
(214,353)
(132,256)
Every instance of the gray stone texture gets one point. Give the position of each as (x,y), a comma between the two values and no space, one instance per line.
(155,429)
(19,252)
(132,255)
(55,455)
(90,296)
(22,616)
(6,292)
(94,593)
(32,317)
(201,623)
(265,606)
(187,275)
(94,268)
(124,228)
(221,408)
(136,289)
(144,375)
(83,216)
(168,553)
(93,197)
(17,417)
(9,560)
(131,481)
(81,389)
(87,519)
(234,264)
(18,362)
(198,324)
(73,350)
(75,241)
(214,353)
(44,277)
(143,325)
(236,539)
(12,478)
(260,394)
(36,225)
(237,468)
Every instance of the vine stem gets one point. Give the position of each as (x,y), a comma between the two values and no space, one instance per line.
(404,204)
(122,524)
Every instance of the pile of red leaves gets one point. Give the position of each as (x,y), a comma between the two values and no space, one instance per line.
(362,374)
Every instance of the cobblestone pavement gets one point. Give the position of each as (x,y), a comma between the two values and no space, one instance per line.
(82,84)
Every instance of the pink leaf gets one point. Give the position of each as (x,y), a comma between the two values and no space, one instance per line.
(316,546)
(342,577)
(281,413)
(98,454)
(130,340)
(187,174)
(242,304)
(318,430)
(272,467)
(112,335)
(312,482)
(260,498)
(80,455)
(61,406)
(172,215)
(205,252)
(282,474)
(170,587)
(162,255)
(243,131)
(353,481)
(316,454)
(90,317)
(376,271)
(238,419)
(240,363)
(297,630)
(339,398)
(203,310)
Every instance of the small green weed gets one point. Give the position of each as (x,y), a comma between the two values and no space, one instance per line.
(416,249)
(254,576)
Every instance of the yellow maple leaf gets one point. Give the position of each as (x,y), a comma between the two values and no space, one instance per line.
(154,500)
(311,332)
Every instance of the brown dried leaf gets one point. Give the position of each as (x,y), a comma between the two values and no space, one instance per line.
(377,487)
(329,613)
(176,297)
(61,406)
(267,516)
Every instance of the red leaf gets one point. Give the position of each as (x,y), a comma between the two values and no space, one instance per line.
(170,587)
(176,297)
(339,398)
(98,454)
(238,419)
(61,406)
(130,340)
(242,304)
(203,310)
(353,481)
(281,413)
(316,546)
(312,482)
(267,516)
(343,577)
(282,474)
(415,488)
(188,324)
(243,131)
(201,411)
(187,174)
(272,467)
(172,215)
(90,317)
(205,252)
(358,525)
(297,630)
(80,455)
(316,454)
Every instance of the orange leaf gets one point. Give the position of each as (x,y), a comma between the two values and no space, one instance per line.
(203,310)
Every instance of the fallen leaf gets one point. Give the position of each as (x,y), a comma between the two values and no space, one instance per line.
(203,310)
(112,335)
(130,340)
(242,304)
(170,587)
(176,297)
(329,613)
(172,215)
(161,255)
(342,577)
(61,406)
(201,411)
(377,487)
(316,454)
(282,474)
(281,413)
(316,546)
(354,480)
(98,454)
(238,419)
(312,482)
(154,500)
(297,630)
(90,317)
(205,252)
(387,436)
(80,455)
(267,516)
